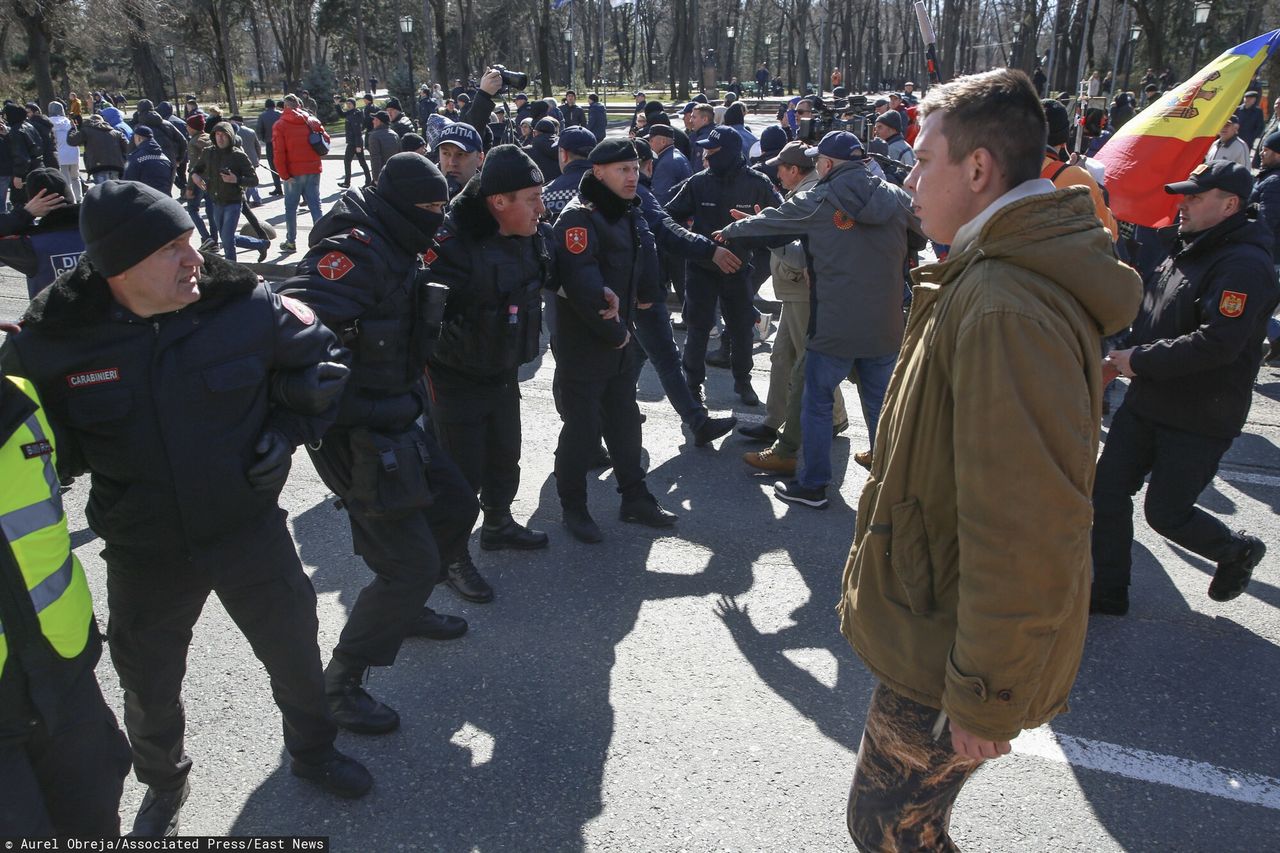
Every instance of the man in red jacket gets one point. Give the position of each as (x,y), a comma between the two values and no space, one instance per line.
(298,164)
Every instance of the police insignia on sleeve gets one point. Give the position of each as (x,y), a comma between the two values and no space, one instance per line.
(298,309)
(429,256)
(334,266)
(1232,303)
(842,220)
(575,240)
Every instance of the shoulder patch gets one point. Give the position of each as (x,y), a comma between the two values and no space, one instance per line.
(1232,303)
(299,309)
(334,266)
(357,234)
(429,256)
(575,240)
(842,220)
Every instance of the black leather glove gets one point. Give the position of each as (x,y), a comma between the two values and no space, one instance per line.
(275,454)
(309,391)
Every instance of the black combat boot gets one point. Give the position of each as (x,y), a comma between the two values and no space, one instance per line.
(582,526)
(351,706)
(1233,575)
(645,509)
(464,578)
(436,626)
(336,773)
(158,814)
(500,531)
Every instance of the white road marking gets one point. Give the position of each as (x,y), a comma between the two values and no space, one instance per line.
(1146,766)
(1231,475)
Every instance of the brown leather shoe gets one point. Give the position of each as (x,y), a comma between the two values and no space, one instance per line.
(768,460)
(863,459)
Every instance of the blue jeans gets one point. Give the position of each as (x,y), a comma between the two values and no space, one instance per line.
(226,218)
(103,175)
(822,373)
(653,331)
(306,187)
(193,208)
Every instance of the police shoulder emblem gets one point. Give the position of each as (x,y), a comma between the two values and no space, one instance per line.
(1232,303)
(334,266)
(842,220)
(575,240)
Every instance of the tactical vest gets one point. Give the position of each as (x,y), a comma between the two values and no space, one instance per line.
(393,341)
(56,251)
(499,329)
(35,530)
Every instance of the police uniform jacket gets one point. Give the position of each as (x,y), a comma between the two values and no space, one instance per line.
(360,276)
(165,411)
(600,241)
(44,250)
(707,198)
(564,188)
(672,237)
(597,120)
(1198,338)
(493,314)
(542,150)
(670,169)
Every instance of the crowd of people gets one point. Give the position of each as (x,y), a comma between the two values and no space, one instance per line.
(392,353)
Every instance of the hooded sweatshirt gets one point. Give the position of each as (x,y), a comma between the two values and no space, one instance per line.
(68,154)
(215,158)
(967,587)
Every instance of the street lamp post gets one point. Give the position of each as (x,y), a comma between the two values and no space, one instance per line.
(729,32)
(406,27)
(1134,34)
(568,40)
(1201,18)
(1017,44)
(168,54)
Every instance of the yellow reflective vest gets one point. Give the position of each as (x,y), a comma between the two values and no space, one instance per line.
(34,528)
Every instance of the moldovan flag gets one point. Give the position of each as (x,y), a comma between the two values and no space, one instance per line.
(1168,139)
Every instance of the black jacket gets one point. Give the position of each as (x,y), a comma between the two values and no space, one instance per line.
(24,147)
(600,240)
(574,116)
(1198,337)
(354,127)
(477,115)
(707,198)
(1266,195)
(359,276)
(172,143)
(165,412)
(492,280)
(48,145)
(542,150)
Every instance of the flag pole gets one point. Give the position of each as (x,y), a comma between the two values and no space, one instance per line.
(927,35)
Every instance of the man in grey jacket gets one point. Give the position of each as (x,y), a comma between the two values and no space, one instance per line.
(859,229)
(789,267)
(382,143)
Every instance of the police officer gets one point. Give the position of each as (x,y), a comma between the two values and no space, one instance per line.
(141,353)
(495,259)
(44,249)
(409,506)
(62,754)
(727,184)
(601,238)
(1192,357)
(461,153)
(573,148)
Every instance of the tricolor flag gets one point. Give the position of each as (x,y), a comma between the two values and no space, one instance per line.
(1168,139)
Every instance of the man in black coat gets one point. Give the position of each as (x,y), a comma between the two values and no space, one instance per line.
(574,115)
(495,258)
(141,353)
(1251,119)
(1192,357)
(601,239)
(353,128)
(410,508)
(25,149)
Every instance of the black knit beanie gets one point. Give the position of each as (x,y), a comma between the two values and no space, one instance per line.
(124,222)
(507,169)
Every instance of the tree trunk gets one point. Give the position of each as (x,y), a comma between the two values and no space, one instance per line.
(35,23)
(145,64)
(438,11)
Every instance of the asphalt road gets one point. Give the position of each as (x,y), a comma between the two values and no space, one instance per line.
(691,692)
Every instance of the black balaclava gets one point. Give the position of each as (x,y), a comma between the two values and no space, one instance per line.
(409,179)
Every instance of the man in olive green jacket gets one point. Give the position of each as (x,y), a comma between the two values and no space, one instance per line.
(966,592)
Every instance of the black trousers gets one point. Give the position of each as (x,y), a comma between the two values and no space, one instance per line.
(152,613)
(67,781)
(702,289)
(478,426)
(405,553)
(353,153)
(271,166)
(589,409)
(1181,465)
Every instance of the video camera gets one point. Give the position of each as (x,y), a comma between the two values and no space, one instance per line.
(851,115)
(511,79)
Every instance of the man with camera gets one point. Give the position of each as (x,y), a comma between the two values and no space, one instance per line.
(495,81)
(410,508)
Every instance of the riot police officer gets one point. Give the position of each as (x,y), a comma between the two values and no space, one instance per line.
(495,258)
(142,354)
(409,506)
(601,239)
(726,184)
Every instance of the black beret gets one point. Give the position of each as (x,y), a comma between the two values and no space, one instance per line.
(616,150)
(507,169)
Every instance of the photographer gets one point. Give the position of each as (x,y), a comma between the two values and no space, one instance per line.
(496,79)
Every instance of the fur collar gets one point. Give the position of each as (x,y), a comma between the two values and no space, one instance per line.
(610,205)
(468,214)
(81,297)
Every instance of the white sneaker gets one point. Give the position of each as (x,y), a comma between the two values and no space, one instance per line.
(762,328)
